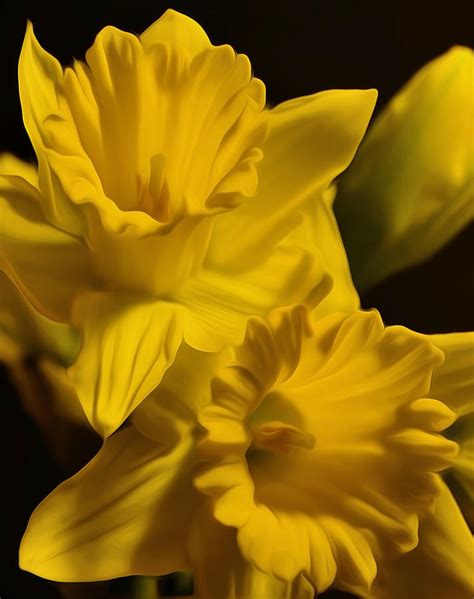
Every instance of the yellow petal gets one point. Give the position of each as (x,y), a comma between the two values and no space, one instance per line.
(171,409)
(177,30)
(49,266)
(411,186)
(211,544)
(125,513)
(220,303)
(463,468)
(319,233)
(311,140)
(30,330)
(128,342)
(11,165)
(442,564)
(453,384)
(453,381)
(39,75)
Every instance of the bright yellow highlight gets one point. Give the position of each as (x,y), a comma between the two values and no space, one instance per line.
(169,201)
(316,436)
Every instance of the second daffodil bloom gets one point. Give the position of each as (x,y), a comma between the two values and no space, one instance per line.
(301,459)
(169,201)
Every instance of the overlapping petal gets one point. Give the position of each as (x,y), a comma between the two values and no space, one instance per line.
(441,564)
(453,381)
(128,342)
(309,144)
(49,266)
(210,544)
(220,303)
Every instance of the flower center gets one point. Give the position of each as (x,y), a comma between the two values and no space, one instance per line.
(277,426)
(280,437)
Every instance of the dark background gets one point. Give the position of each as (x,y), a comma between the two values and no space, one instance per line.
(297,48)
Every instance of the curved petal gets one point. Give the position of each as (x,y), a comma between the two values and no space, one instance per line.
(442,564)
(176,29)
(171,409)
(220,303)
(411,186)
(319,233)
(128,342)
(49,266)
(30,330)
(125,513)
(311,140)
(210,544)
(39,75)
(11,165)
(453,381)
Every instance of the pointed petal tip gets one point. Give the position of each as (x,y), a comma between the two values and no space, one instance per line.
(176,28)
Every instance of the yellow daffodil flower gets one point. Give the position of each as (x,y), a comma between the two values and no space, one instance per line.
(170,205)
(301,459)
(411,186)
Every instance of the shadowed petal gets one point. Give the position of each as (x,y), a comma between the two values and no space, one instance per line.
(49,266)
(442,564)
(126,513)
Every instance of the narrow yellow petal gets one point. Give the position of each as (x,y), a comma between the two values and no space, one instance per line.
(411,186)
(125,513)
(39,75)
(128,342)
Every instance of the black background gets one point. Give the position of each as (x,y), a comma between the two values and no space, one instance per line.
(297,48)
